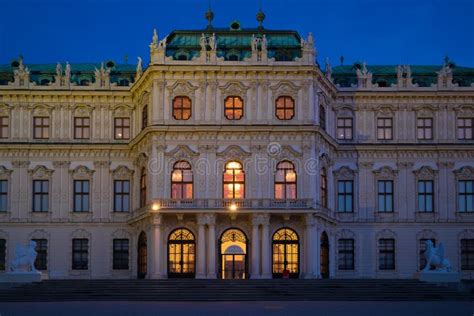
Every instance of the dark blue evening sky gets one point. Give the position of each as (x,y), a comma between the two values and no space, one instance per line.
(376,31)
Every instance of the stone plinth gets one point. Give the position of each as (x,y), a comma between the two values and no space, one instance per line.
(440,277)
(20,277)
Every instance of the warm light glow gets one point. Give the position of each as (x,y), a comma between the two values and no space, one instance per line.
(233,165)
(177,176)
(233,207)
(290,176)
(155,207)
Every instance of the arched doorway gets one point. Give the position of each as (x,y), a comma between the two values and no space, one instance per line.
(181,254)
(285,253)
(233,254)
(324,255)
(141,256)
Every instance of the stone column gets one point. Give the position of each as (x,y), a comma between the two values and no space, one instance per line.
(308,249)
(266,250)
(211,247)
(201,248)
(255,272)
(156,248)
(317,251)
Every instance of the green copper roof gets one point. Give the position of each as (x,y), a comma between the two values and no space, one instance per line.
(424,76)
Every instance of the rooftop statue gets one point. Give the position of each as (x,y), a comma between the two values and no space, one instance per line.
(212,41)
(435,258)
(264,42)
(59,69)
(139,68)
(328,69)
(254,43)
(203,42)
(154,41)
(68,71)
(25,257)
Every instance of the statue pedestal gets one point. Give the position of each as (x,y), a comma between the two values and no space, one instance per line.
(20,277)
(440,277)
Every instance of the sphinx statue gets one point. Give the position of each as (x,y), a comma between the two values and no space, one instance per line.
(25,257)
(435,258)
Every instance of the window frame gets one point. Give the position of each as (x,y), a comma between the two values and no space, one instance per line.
(286,185)
(3,254)
(233,108)
(182,184)
(467,254)
(323,187)
(345,195)
(423,128)
(425,195)
(179,110)
(41,261)
(82,127)
(144,116)
(143,187)
(384,264)
(42,195)
(285,108)
(234,181)
(4,195)
(343,253)
(120,255)
(43,127)
(385,196)
(344,131)
(124,207)
(322,117)
(466,195)
(464,128)
(122,127)
(4,127)
(84,196)
(83,251)
(384,128)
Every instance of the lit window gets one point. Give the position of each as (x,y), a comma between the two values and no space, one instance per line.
(285,181)
(233,108)
(234,181)
(182,181)
(181,108)
(285,108)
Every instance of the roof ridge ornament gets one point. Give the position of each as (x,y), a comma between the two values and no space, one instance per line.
(260,16)
(209,15)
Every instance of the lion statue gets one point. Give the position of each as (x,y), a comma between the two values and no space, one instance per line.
(25,257)
(435,258)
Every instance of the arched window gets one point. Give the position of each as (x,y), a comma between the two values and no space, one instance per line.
(285,253)
(182,181)
(285,181)
(181,254)
(143,188)
(285,108)
(181,108)
(233,108)
(234,181)
(144,116)
(322,117)
(324,187)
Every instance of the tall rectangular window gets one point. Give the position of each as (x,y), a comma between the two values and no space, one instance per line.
(80,254)
(465,128)
(3,195)
(82,127)
(346,254)
(385,195)
(3,126)
(41,127)
(40,195)
(467,254)
(122,128)
(322,117)
(345,196)
(41,262)
(121,196)
(3,254)
(344,128)
(384,128)
(386,254)
(81,195)
(424,128)
(425,196)
(466,195)
(324,187)
(422,247)
(120,255)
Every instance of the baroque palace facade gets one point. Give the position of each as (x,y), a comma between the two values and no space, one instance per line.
(233,155)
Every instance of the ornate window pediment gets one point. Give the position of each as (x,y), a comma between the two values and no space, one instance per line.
(345,234)
(83,110)
(41,110)
(386,233)
(425,173)
(325,161)
(81,233)
(41,172)
(5,109)
(465,173)
(182,88)
(234,152)
(39,234)
(141,160)
(122,110)
(385,172)
(122,172)
(234,88)
(344,173)
(182,152)
(426,234)
(425,111)
(465,110)
(385,110)
(4,172)
(287,153)
(344,111)
(82,172)
(285,88)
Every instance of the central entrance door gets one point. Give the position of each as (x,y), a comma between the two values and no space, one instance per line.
(233,253)
(181,253)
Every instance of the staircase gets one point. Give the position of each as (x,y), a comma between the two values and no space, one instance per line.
(230,290)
